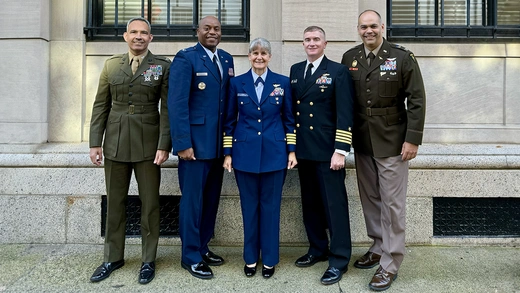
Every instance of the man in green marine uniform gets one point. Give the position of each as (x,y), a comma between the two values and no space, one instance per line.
(136,137)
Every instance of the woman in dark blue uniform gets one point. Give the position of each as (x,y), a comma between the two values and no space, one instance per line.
(259,144)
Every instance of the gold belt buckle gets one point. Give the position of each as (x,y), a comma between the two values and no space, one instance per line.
(131,109)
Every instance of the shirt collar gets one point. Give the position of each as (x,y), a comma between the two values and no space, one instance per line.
(255,76)
(210,54)
(316,62)
(131,56)
(375,51)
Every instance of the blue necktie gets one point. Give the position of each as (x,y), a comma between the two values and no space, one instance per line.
(259,80)
(216,65)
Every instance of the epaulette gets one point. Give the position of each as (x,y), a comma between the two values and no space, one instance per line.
(412,56)
(163,58)
(355,48)
(397,46)
(189,49)
(116,56)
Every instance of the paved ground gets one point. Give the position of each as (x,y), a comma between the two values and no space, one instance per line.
(67,268)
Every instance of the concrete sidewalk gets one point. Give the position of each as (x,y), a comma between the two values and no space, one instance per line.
(67,268)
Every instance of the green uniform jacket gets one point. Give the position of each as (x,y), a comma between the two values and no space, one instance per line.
(126,109)
(389,103)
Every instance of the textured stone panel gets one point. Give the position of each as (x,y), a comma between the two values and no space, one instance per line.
(25,19)
(473,97)
(67,26)
(512,95)
(25,85)
(32,219)
(66,91)
(464,183)
(83,219)
(419,220)
(337,17)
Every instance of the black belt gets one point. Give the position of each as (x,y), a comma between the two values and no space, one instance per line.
(379,111)
(134,109)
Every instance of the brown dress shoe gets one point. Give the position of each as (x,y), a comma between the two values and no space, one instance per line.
(367,261)
(382,280)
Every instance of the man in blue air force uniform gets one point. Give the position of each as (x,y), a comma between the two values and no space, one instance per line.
(198,85)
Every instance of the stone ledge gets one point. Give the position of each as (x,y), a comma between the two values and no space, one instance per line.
(431,156)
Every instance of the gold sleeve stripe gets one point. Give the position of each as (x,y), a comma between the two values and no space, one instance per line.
(291,138)
(343,136)
(228,141)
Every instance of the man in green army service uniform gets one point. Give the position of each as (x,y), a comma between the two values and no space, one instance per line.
(389,113)
(137,137)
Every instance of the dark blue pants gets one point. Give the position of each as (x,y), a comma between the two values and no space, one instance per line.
(200,182)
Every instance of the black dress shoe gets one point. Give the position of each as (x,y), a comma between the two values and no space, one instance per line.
(105,269)
(267,272)
(199,270)
(249,271)
(147,272)
(332,275)
(212,259)
(309,260)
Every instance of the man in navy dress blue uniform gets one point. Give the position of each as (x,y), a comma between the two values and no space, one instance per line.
(196,99)
(323,98)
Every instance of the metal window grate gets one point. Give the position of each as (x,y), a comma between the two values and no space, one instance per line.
(169,213)
(476,217)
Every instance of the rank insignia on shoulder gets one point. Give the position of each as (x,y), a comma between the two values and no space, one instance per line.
(413,57)
(294,81)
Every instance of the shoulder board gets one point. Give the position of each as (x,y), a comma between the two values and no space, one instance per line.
(163,58)
(397,46)
(116,56)
(355,48)
(189,49)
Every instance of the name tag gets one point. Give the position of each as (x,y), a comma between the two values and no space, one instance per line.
(202,74)
(242,95)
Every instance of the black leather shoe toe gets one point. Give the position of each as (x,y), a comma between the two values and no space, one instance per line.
(147,272)
(105,269)
(212,259)
(249,271)
(267,272)
(309,260)
(199,270)
(332,275)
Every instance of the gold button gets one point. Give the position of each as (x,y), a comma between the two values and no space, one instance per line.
(311,103)
(258,108)
(298,125)
(298,102)
(310,115)
(311,128)
(297,113)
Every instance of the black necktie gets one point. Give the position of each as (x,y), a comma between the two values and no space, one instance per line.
(259,80)
(216,66)
(308,73)
(371,58)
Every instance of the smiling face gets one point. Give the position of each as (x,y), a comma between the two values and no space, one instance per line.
(209,32)
(138,37)
(314,44)
(370,29)
(259,59)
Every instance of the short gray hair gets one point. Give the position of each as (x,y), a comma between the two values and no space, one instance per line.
(260,43)
(139,19)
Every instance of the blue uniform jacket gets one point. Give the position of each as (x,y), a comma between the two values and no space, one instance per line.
(259,135)
(196,101)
